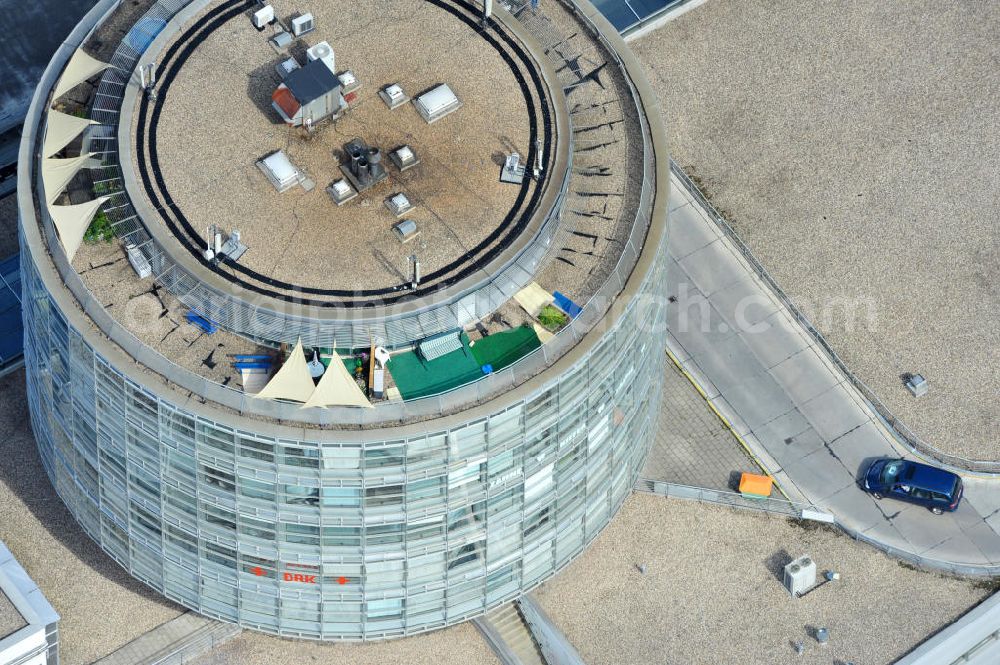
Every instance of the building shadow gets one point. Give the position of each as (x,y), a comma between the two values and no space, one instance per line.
(776,563)
(261,84)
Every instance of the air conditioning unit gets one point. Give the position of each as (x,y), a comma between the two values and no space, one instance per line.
(323,51)
(800,576)
(263,17)
(303,24)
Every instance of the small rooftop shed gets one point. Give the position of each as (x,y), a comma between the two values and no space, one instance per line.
(309,94)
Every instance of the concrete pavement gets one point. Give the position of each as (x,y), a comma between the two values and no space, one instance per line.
(795,409)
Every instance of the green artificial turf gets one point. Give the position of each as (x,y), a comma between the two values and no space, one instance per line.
(503,349)
(416,377)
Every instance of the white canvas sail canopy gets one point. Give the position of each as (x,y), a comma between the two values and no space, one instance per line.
(57,174)
(293,381)
(337,388)
(80,68)
(61,129)
(72,222)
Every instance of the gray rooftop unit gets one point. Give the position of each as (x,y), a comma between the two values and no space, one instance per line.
(398,204)
(404,158)
(436,103)
(286,67)
(303,24)
(406,230)
(513,170)
(341,191)
(393,96)
(280,41)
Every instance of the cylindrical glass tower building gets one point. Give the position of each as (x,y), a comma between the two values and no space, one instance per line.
(443,499)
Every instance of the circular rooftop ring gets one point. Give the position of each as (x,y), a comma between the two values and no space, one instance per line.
(515,222)
(466,289)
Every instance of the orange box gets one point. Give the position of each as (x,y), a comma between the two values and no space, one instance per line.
(756,485)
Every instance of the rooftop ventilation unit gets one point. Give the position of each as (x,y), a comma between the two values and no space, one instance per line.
(398,204)
(303,24)
(393,96)
(280,41)
(138,260)
(348,81)
(406,230)
(286,67)
(437,103)
(513,170)
(263,17)
(341,192)
(280,171)
(800,576)
(363,167)
(323,52)
(404,158)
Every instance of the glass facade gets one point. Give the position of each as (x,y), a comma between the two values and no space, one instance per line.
(342,539)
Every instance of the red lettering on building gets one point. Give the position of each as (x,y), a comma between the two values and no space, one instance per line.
(298,577)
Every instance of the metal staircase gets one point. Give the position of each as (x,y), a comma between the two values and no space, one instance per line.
(507,633)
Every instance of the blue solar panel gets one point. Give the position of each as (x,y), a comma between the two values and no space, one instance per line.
(618,12)
(624,14)
(11,328)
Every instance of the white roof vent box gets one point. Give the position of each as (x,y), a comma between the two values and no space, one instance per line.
(324,52)
(436,103)
(263,17)
(303,24)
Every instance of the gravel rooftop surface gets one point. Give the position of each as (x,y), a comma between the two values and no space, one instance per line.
(10,619)
(101,607)
(854,147)
(712,592)
(303,237)
(458,645)
(8,226)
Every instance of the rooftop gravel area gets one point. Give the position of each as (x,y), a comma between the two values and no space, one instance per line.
(101,607)
(217,122)
(10,619)
(855,149)
(458,645)
(712,592)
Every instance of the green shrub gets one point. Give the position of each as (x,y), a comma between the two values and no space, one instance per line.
(99,229)
(551,318)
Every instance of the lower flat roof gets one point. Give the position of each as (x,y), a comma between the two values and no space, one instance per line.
(11,620)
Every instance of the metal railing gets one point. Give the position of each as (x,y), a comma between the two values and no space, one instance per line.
(905,435)
(731,499)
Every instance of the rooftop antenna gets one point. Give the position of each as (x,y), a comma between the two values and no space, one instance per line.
(209,253)
(416,271)
(538,159)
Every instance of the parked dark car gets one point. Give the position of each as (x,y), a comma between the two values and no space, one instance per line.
(936,489)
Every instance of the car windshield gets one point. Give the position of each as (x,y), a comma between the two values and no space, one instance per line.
(891,471)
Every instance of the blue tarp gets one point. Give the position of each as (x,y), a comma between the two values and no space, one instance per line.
(567,305)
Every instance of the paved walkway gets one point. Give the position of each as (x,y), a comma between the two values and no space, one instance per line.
(692,446)
(794,409)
